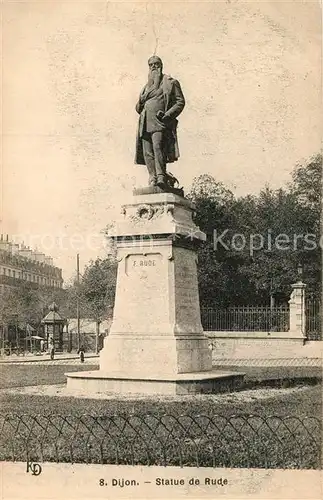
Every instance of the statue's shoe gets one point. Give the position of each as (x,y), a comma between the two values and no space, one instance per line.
(152,183)
(162,184)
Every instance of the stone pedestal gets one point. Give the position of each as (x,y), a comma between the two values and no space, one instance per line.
(156,328)
(156,342)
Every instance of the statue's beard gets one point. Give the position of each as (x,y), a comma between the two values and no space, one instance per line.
(154,77)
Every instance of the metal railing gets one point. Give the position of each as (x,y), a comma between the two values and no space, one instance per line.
(246,318)
(151,439)
(313,315)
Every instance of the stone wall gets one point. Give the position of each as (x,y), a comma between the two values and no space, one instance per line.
(261,345)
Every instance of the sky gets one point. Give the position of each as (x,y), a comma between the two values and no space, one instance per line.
(72,72)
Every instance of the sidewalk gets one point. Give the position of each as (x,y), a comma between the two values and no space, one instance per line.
(30,358)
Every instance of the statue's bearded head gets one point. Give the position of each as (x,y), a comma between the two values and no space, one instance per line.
(155,70)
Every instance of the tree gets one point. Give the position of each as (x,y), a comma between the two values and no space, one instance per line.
(255,243)
(307,187)
(270,255)
(28,303)
(217,264)
(307,183)
(97,287)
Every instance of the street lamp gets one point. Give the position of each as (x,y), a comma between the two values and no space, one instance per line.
(271,292)
(300,271)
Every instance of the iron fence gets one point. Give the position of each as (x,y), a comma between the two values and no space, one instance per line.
(168,440)
(246,318)
(313,319)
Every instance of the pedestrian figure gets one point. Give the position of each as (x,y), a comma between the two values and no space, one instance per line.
(81,353)
(51,349)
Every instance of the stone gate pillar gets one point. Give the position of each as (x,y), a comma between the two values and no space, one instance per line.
(297,314)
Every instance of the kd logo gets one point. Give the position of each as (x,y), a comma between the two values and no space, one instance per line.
(34,468)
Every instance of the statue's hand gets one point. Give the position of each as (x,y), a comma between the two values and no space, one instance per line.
(160,115)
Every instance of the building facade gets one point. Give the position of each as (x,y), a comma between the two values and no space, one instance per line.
(20,264)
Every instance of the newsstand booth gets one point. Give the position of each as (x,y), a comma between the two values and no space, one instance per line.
(53,327)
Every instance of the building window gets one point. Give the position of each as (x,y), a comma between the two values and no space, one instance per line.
(13,274)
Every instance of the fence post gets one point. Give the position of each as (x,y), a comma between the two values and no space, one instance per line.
(297,309)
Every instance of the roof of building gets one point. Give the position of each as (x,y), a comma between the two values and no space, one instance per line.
(87,325)
(53,316)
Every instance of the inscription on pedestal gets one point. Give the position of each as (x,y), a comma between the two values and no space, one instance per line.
(144,263)
(142,299)
(139,262)
(186,290)
(186,298)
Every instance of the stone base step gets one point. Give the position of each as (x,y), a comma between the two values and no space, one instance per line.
(214,381)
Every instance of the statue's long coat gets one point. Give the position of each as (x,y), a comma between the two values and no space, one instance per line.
(174,105)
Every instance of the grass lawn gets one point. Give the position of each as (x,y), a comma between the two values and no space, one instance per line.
(20,375)
(308,402)
(303,403)
(14,375)
(277,432)
(179,431)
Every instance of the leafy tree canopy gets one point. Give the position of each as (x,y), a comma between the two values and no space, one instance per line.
(255,242)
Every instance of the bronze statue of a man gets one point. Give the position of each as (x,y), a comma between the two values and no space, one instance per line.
(160,102)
